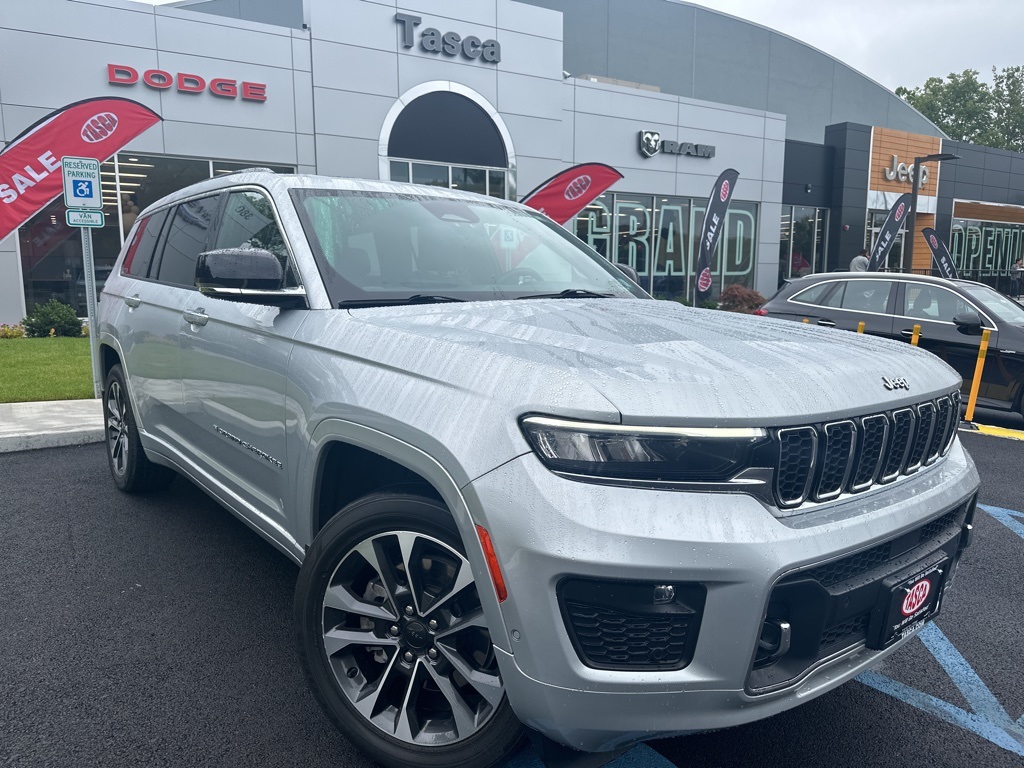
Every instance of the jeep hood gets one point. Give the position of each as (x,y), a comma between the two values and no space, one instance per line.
(655,362)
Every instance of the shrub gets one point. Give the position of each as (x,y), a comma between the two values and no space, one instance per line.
(739,298)
(11,331)
(54,318)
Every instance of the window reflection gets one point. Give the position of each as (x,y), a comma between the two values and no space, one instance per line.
(657,236)
(51,252)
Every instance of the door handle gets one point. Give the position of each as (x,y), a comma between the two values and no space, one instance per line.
(827,323)
(195,317)
(907,332)
(133,301)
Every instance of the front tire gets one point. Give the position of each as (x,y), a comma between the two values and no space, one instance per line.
(393,638)
(132,471)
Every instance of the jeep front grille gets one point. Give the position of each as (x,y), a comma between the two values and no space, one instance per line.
(820,462)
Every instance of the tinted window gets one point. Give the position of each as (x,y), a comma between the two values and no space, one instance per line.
(1006,310)
(185,240)
(249,222)
(143,245)
(930,302)
(815,294)
(867,295)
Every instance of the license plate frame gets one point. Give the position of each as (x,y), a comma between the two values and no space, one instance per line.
(905,604)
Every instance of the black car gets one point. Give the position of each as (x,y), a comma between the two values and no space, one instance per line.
(951,313)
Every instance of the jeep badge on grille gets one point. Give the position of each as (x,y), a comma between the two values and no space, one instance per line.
(892,384)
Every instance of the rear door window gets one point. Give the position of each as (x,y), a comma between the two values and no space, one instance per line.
(867,295)
(139,258)
(186,237)
(815,294)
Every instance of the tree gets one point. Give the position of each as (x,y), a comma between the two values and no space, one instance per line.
(1008,107)
(961,105)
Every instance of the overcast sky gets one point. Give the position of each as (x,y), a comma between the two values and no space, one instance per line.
(878,37)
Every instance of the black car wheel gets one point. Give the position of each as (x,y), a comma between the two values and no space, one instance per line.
(132,471)
(393,638)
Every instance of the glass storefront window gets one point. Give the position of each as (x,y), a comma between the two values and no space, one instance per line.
(894,262)
(469,180)
(51,252)
(802,241)
(985,248)
(399,170)
(657,237)
(476,179)
(496,184)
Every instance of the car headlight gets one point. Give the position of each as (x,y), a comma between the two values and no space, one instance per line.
(660,454)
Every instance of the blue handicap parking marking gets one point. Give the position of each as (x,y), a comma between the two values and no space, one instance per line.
(987,718)
(83,188)
(640,756)
(1011,519)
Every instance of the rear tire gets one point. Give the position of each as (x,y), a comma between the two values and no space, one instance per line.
(132,471)
(393,640)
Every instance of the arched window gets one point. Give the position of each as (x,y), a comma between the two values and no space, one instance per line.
(446,139)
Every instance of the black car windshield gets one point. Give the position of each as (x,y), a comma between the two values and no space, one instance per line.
(1005,310)
(385,248)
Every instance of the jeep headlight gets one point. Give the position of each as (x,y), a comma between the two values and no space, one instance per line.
(658,454)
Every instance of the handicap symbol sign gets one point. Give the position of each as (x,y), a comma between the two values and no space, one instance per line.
(82,188)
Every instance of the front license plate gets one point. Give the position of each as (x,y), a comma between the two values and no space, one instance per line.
(907,602)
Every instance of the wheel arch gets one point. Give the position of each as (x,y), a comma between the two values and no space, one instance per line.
(336,440)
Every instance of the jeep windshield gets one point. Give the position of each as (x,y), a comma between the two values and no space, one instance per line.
(383,248)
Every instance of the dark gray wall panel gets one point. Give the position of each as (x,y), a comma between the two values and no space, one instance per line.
(731,60)
(585,35)
(797,76)
(856,98)
(651,42)
(283,13)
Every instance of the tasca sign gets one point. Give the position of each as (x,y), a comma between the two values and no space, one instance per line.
(30,166)
(433,40)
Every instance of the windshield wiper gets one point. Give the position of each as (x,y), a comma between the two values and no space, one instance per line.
(569,293)
(416,298)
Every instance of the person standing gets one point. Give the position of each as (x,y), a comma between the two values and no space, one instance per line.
(859,263)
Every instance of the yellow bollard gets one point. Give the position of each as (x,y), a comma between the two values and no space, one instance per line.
(976,384)
(917,335)
(860,327)
(807,319)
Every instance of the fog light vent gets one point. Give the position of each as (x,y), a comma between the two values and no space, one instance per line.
(637,626)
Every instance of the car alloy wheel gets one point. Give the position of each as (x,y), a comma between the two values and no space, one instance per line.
(405,636)
(394,639)
(117,428)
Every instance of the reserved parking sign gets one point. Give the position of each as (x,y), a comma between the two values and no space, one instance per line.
(81,182)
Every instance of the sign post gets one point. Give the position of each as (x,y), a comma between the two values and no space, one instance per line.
(82,190)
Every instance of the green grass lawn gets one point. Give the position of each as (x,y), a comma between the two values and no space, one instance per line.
(44,369)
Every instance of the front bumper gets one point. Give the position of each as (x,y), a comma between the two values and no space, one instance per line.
(546,528)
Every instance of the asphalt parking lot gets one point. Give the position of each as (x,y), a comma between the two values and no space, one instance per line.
(157,632)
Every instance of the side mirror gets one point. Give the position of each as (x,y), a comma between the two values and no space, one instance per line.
(967,322)
(251,275)
(629,272)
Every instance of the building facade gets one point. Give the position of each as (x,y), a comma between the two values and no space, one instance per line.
(493,96)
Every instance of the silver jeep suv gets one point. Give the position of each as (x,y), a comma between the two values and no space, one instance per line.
(523,494)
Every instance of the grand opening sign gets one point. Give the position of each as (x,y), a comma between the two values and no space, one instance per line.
(30,166)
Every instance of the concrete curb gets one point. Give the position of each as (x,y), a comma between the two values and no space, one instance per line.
(28,426)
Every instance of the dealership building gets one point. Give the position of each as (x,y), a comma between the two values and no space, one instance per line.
(495,96)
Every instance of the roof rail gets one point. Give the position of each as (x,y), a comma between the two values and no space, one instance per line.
(254,169)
